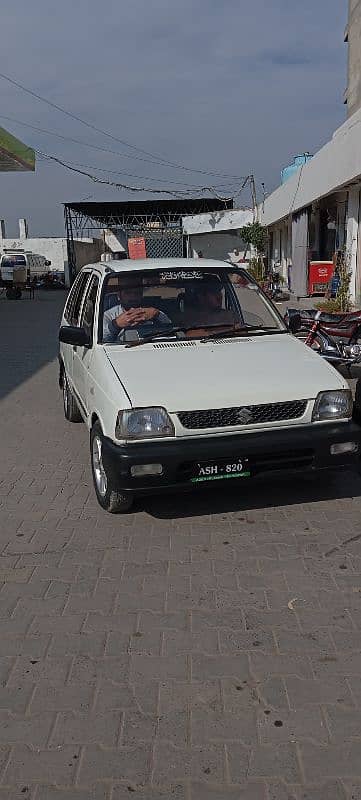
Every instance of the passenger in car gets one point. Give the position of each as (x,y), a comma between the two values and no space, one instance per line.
(207,305)
(129,313)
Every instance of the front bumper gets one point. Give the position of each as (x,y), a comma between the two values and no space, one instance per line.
(298,448)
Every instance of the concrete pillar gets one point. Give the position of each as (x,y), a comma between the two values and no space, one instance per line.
(352,236)
(23,229)
(2,229)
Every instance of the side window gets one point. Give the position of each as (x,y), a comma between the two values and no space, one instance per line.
(72,308)
(71,299)
(87,317)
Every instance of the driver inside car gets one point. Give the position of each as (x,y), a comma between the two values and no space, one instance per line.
(129,313)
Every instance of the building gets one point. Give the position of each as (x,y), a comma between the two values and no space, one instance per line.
(217,234)
(353,38)
(53,248)
(316,212)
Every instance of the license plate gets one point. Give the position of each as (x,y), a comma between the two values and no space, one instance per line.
(221,470)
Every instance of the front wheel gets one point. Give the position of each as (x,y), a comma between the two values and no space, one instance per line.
(108,493)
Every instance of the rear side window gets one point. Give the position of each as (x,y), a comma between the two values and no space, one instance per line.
(73,305)
(87,317)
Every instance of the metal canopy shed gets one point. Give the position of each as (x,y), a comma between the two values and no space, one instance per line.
(159,222)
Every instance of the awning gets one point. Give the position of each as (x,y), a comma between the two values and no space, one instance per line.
(14,155)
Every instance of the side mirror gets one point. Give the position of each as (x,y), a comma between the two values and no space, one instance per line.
(293,320)
(78,337)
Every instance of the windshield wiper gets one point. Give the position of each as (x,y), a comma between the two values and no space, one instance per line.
(239,329)
(172,331)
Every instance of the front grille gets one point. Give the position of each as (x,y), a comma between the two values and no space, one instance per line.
(243,415)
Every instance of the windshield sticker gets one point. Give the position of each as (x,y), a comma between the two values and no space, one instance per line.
(181,275)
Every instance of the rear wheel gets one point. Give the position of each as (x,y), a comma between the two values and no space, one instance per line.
(71,410)
(108,493)
(13,293)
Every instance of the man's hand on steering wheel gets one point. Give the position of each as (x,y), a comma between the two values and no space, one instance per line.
(135,317)
(149,314)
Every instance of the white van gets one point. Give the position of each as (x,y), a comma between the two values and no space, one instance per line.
(187,376)
(17,267)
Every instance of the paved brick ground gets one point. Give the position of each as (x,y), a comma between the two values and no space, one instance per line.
(204,648)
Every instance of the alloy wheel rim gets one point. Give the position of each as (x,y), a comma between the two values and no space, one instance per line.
(99,471)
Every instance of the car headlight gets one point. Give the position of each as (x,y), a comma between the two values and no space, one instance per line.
(143,423)
(333,405)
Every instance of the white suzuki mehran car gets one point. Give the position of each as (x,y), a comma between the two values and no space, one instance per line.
(186,375)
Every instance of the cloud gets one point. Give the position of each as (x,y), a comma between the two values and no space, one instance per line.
(289,58)
(233,87)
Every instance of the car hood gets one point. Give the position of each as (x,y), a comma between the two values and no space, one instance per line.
(183,376)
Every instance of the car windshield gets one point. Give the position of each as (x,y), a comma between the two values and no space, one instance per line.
(190,302)
(13,261)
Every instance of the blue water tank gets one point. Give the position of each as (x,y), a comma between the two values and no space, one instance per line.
(298,162)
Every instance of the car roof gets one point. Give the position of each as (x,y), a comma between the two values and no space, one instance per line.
(131,265)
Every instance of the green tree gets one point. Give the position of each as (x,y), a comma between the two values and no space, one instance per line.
(255,234)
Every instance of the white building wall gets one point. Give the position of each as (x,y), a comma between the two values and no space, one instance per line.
(216,245)
(54,249)
(352,238)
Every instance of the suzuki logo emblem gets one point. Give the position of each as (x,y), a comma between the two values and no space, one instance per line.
(244,415)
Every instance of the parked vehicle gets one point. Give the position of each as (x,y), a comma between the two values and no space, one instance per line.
(52,282)
(345,326)
(186,375)
(17,270)
(275,289)
(337,352)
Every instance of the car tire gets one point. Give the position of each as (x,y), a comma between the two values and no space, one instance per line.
(357,403)
(71,410)
(109,494)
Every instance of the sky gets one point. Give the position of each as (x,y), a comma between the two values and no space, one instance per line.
(232,87)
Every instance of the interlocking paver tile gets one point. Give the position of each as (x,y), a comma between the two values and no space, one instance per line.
(96,792)
(274,760)
(227,726)
(177,695)
(247,791)
(208,667)
(275,727)
(48,697)
(334,761)
(42,765)
(172,764)
(236,641)
(32,730)
(85,728)
(89,671)
(303,692)
(31,670)
(126,763)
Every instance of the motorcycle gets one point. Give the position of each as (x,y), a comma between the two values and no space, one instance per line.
(273,288)
(336,352)
(345,326)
